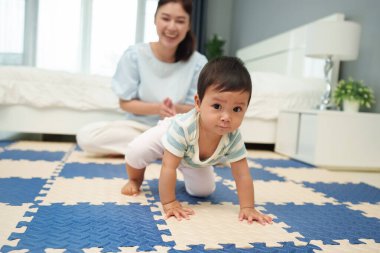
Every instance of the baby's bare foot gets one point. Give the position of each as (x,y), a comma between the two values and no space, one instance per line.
(132,188)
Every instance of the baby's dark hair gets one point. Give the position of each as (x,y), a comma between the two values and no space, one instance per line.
(225,74)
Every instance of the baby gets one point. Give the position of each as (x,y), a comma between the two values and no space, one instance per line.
(195,141)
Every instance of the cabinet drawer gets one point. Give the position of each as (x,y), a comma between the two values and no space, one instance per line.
(307,137)
(287,133)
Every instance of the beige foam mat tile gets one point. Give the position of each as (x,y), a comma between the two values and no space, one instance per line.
(212,225)
(20,251)
(368,246)
(263,154)
(326,176)
(42,146)
(10,216)
(369,210)
(153,170)
(27,169)
(158,249)
(95,191)
(82,157)
(284,192)
(252,164)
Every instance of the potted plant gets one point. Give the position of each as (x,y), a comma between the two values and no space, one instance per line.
(352,95)
(214,47)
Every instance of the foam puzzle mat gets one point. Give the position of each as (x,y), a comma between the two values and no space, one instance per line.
(53,198)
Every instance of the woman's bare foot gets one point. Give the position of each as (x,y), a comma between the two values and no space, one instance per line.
(132,188)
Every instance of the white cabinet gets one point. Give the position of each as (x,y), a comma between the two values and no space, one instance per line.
(330,139)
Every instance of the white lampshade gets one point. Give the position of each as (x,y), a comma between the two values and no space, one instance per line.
(338,39)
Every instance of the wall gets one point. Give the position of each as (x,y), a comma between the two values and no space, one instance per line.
(256,20)
(218,21)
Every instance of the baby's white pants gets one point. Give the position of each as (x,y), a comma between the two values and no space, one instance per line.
(147,147)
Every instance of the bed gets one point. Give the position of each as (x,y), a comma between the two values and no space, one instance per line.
(43,101)
(53,102)
(283,78)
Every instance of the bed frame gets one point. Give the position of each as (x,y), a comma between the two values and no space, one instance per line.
(283,54)
(24,119)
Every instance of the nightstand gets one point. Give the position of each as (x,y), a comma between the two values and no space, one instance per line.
(330,139)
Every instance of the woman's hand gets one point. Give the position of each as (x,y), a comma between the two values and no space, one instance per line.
(251,214)
(167,108)
(175,209)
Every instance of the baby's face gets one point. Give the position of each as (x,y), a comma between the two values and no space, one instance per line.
(222,112)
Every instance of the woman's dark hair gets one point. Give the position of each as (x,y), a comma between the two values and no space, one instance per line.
(187,46)
(224,73)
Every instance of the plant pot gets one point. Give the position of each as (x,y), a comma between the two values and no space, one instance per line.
(351,106)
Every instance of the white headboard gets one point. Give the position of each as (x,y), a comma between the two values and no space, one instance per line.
(285,54)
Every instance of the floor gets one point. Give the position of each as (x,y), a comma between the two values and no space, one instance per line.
(53,198)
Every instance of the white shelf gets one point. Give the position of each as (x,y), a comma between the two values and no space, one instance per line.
(330,139)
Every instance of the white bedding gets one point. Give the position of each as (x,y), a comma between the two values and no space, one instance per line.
(45,88)
(273,92)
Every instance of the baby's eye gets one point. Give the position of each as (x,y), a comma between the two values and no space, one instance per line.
(238,109)
(217,106)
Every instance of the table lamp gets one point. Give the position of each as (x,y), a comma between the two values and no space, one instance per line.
(332,40)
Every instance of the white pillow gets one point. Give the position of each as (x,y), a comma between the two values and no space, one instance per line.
(270,82)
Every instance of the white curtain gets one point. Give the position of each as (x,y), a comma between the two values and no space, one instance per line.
(11,31)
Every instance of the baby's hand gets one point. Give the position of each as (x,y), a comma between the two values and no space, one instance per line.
(175,209)
(250,214)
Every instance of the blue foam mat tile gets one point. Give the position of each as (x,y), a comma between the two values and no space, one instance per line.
(257,248)
(74,228)
(32,155)
(326,222)
(257,174)
(17,191)
(6,249)
(93,170)
(286,247)
(4,143)
(281,163)
(107,226)
(353,193)
(222,194)
(77,148)
(74,251)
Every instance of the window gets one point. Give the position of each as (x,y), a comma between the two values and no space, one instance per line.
(113,29)
(150,33)
(78,36)
(58,37)
(11,31)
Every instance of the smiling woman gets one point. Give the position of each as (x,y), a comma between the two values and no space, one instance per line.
(152,80)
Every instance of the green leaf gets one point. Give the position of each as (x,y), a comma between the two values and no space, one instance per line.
(353,90)
(214,47)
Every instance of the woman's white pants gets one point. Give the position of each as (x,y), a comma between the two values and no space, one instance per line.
(109,137)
